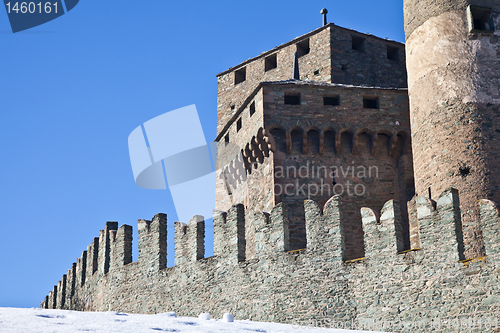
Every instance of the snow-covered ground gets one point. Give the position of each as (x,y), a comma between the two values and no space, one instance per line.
(20,320)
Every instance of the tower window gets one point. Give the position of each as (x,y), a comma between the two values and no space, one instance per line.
(292,98)
(238,125)
(226,138)
(270,62)
(370,103)
(252,109)
(331,100)
(392,53)
(240,75)
(358,44)
(480,19)
(303,47)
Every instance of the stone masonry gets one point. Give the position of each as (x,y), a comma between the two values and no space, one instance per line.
(351,196)
(427,284)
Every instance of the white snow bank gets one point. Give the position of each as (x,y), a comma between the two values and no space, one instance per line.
(20,320)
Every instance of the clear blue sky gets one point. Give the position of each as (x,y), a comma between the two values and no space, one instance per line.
(73,89)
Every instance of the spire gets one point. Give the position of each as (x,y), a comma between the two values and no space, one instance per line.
(324,11)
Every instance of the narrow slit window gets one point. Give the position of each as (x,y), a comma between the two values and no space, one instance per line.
(480,19)
(303,47)
(270,62)
(252,109)
(392,53)
(370,103)
(238,125)
(292,99)
(331,100)
(226,139)
(358,44)
(240,75)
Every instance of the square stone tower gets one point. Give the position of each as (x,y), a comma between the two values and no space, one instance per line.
(342,128)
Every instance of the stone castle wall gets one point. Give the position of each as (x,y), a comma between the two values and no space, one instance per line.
(430,282)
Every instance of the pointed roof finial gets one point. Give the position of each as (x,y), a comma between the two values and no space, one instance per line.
(296,75)
(324,11)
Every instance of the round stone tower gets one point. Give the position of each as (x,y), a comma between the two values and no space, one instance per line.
(452,54)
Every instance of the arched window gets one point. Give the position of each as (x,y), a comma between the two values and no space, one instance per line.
(329,142)
(313,142)
(346,142)
(297,141)
(364,144)
(280,139)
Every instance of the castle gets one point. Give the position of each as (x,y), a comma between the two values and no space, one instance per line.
(395,219)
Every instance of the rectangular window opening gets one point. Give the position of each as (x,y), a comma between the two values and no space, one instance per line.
(331,100)
(238,125)
(303,47)
(480,19)
(240,75)
(226,139)
(270,62)
(252,109)
(370,103)
(358,43)
(392,52)
(292,98)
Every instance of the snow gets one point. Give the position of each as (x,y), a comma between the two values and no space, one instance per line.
(21,320)
(228,318)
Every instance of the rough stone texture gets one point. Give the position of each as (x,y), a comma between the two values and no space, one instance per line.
(420,285)
(331,59)
(454,101)
(429,260)
(417,12)
(328,137)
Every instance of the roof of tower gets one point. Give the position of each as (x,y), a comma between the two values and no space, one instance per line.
(299,38)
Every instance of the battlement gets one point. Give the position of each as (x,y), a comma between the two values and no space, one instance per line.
(231,272)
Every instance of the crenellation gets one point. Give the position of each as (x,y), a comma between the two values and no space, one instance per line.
(92,256)
(220,239)
(61,295)
(196,238)
(413,229)
(53,301)
(70,286)
(121,249)
(153,243)
(490,223)
(391,215)
(280,234)
(372,283)
(180,241)
(105,247)
(262,227)
(235,233)
(326,230)
(449,227)
(50,300)
(81,267)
